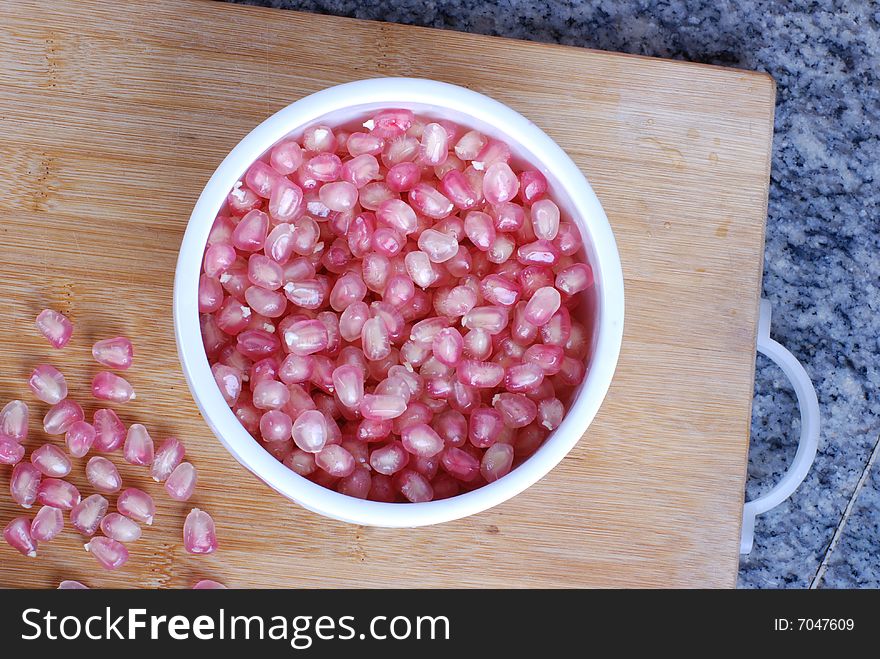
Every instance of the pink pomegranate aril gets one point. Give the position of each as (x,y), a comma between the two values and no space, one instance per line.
(24,484)
(57,493)
(51,461)
(542,305)
(14,418)
(18,535)
(496,461)
(382,238)
(138,448)
(47,523)
(61,416)
(103,475)
(137,505)
(389,459)
(199,535)
(181,484)
(55,327)
(120,528)
(109,386)
(114,353)
(110,554)
(169,454)
(11,452)
(79,438)
(48,384)
(86,516)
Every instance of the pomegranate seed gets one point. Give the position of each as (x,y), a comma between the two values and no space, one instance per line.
(14,419)
(286,157)
(199,536)
(309,431)
(413,486)
(137,505)
(24,484)
(109,553)
(72,585)
(48,384)
(207,584)
(11,452)
(55,327)
(109,430)
(421,440)
(108,386)
(138,448)
(182,482)
(335,460)
(429,201)
(545,219)
(18,534)
(306,337)
(523,377)
(486,425)
(543,304)
(389,459)
(61,416)
(47,523)
(114,353)
(516,410)
(103,475)
(574,279)
(51,461)
(250,233)
(357,484)
(169,454)
(496,462)
(80,437)
(382,407)
(57,493)
(228,380)
(459,464)
(120,528)
(86,516)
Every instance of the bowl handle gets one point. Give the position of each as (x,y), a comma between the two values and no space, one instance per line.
(809,442)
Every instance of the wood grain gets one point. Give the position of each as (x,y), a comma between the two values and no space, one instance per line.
(113,117)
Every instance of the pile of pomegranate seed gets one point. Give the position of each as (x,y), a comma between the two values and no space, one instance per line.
(388,307)
(41,479)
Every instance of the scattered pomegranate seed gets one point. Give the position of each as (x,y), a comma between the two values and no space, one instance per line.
(57,493)
(86,516)
(120,528)
(103,475)
(109,553)
(61,416)
(114,353)
(47,523)
(55,327)
(109,430)
(198,533)
(72,585)
(168,456)
(137,505)
(109,386)
(80,437)
(51,461)
(208,584)
(396,298)
(18,534)
(11,452)
(138,447)
(14,420)
(181,484)
(48,384)
(24,484)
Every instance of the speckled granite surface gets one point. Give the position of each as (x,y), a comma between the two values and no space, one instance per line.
(822,269)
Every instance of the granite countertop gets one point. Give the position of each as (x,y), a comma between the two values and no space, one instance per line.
(821,269)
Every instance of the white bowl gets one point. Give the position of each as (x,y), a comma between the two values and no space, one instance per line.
(342,104)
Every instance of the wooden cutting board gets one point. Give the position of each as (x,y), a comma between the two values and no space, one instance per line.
(114,115)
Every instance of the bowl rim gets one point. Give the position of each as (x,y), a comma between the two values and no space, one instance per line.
(399,92)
